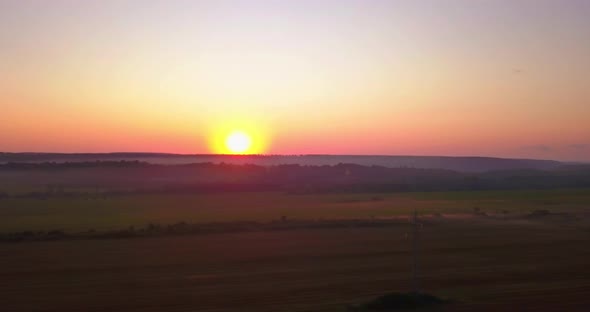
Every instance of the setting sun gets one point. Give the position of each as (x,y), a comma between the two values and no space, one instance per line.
(239,135)
(238,142)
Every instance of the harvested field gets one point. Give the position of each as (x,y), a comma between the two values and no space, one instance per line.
(480,266)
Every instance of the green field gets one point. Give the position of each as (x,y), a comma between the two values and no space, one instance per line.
(480,263)
(79,214)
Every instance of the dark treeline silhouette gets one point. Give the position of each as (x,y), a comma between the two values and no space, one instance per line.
(184,228)
(72,165)
(103,178)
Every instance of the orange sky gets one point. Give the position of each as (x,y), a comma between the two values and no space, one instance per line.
(493,78)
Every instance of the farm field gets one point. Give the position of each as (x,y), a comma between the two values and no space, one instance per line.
(117,212)
(479,262)
(479,265)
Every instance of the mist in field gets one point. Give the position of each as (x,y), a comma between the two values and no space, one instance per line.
(472,164)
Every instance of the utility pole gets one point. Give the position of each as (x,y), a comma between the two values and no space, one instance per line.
(415,285)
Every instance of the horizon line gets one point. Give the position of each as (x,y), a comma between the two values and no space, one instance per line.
(284,155)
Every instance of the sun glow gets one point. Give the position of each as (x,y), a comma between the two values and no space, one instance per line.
(239,135)
(238,142)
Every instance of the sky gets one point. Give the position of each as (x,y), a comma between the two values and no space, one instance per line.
(505,78)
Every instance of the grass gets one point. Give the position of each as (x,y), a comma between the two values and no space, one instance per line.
(486,265)
(79,214)
(479,267)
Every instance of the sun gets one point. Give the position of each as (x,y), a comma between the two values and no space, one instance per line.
(238,142)
(239,137)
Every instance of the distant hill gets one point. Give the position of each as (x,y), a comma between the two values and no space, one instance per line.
(39,180)
(461,164)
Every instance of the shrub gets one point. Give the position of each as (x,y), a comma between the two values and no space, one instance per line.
(394,301)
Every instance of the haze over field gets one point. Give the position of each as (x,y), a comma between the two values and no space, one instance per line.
(494,78)
(464,164)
